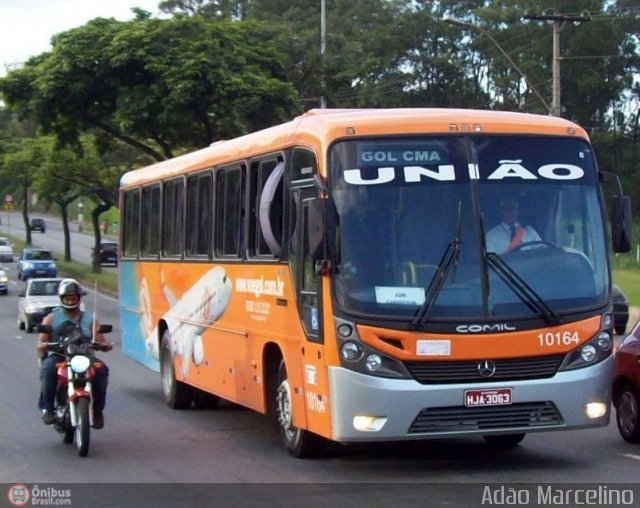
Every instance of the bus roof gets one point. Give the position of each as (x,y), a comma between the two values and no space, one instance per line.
(317,128)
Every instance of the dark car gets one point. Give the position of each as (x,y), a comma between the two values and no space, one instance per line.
(620,311)
(36,263)
(626,386)
(37,225)
(108,253)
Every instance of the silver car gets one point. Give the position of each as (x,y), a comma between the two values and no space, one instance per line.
(4,281)
(39,298)
(6,249)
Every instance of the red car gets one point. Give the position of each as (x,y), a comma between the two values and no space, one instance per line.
(626,386)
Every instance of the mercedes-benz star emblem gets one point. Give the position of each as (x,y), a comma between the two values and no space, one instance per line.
(486,368)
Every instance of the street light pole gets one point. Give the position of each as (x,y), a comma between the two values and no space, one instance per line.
(456,21)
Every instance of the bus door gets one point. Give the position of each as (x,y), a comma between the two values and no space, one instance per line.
(307,284)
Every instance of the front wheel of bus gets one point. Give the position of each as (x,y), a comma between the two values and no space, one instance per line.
(177,394)
(299,443)
(504,441)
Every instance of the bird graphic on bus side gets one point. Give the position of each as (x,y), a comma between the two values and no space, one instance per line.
(188,317)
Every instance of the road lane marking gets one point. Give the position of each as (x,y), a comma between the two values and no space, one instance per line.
(631,456)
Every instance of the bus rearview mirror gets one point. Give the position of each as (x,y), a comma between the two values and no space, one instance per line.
(621,224)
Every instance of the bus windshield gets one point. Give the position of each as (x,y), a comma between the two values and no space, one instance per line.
(467,227)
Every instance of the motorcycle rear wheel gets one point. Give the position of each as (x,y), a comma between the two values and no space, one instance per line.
(83,428)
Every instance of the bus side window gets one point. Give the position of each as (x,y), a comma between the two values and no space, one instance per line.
(199,202)
(229,212)
(131,233)
(266,207)
(173,218)
(150,217)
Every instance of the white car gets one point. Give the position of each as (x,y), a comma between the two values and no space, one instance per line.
(4,281)
(6,249)
(39,298)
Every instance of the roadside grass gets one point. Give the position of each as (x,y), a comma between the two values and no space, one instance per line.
(83,273)
(628,280)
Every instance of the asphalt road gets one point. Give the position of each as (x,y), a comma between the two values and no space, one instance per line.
(150,455)
(81,240)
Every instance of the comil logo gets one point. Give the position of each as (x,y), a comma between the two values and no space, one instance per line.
(19,495)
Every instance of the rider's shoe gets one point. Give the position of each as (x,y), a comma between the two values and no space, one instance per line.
(98,420)
(48,418)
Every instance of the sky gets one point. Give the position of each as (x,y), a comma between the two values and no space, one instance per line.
(26,26)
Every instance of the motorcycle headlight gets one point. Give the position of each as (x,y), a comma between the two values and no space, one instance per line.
(80,364)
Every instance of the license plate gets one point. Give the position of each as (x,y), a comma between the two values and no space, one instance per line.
(496,397)
(40,272)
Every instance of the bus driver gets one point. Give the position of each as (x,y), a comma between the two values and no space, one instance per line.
(510,233)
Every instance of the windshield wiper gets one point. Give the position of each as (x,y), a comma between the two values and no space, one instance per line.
(447,263)
(522,290)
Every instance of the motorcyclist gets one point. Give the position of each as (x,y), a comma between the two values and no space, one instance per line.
(70,294)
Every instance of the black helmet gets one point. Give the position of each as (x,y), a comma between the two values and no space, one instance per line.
(69,287)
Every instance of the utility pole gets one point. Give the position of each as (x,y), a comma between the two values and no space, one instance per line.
(559,22)
(323,48)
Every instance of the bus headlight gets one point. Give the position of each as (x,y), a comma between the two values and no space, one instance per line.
(351,351)
(593,351)
(359,357)
(373,362)
(588,353)
(595,409)
(604,340)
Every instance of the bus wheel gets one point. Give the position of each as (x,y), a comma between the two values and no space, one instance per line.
(299,443)
(177,394)
(628,414)
(504,441)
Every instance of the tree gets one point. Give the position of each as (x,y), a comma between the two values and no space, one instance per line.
(159,85)
(22,159)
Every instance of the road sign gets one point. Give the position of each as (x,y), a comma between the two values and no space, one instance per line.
(8,205)
(8,198)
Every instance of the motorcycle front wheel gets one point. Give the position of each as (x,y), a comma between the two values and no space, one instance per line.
(68,431)
(84,426)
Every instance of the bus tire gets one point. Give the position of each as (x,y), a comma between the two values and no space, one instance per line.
(177,395)
(298,442)
(627,414)
(504,441)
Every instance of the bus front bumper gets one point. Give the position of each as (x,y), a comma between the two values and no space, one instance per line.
(368,408)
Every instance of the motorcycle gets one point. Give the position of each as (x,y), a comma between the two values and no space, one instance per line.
(76,370)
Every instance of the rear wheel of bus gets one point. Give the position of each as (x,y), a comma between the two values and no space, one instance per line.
(298,442)
(177,394)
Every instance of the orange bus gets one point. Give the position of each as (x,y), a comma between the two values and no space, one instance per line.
(354,275)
